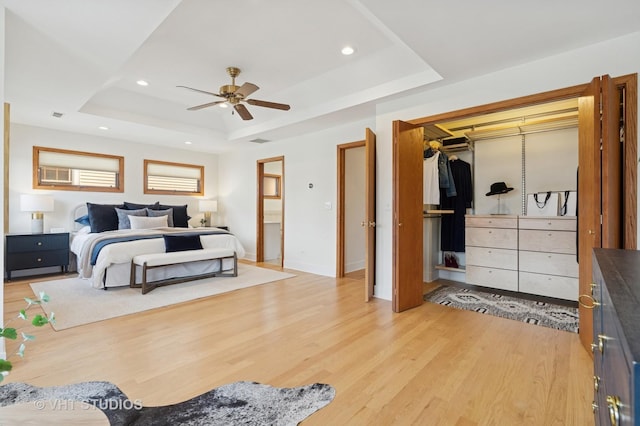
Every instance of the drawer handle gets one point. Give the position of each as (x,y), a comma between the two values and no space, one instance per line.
(596,383)
(594,406)
(39,243)
(588,298)
(593,287)
(613,402)
(593,347)
(39,259)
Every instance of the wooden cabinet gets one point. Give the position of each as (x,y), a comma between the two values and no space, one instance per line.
(30,251)
(616,337)
(547,257)
(491,248)
(522,253)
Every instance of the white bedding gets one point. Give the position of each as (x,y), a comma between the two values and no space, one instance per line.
(116,257)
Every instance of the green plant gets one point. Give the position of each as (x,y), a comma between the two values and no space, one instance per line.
(11,333)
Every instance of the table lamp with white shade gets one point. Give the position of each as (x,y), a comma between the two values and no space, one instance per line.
(208,207)
(37,205)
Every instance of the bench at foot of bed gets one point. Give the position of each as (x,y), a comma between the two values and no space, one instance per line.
(158,260)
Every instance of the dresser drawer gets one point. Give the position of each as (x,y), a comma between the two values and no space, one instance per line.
(492,277)
(36,242)
(491,222)
(492,237)
(547,241)
(37,259)
(552,224)
(550,263)
(549,285)
(492,257)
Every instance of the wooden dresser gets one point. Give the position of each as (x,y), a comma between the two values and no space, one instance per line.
(616,331)
(527,254)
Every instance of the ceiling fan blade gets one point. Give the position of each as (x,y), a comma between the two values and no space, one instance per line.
(246,89)
(266,104)
(201,91)
(197,107)
(243,112)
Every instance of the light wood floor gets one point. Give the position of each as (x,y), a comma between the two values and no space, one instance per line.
(432,365)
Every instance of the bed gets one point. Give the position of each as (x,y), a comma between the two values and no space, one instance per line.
(104,257)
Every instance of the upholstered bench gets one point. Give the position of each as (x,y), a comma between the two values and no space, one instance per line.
(158,260)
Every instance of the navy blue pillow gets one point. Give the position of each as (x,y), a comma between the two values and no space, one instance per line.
(103,217)
(135,206)
(182,242)
(180,217)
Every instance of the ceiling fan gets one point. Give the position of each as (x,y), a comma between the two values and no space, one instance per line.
(235,94)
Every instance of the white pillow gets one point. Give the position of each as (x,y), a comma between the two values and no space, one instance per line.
(144,222)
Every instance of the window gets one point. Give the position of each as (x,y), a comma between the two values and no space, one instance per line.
(272,186)
(76,170)
(161,177)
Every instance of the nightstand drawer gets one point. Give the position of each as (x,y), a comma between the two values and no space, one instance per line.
(37,259)
(37,242)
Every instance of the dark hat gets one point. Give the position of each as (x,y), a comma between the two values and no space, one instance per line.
(499,188)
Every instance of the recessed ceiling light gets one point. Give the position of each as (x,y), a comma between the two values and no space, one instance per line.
(347,50)
(142,83)
(103,128)
(224,105)
(187,142)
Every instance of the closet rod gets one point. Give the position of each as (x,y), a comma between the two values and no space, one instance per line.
(511,120)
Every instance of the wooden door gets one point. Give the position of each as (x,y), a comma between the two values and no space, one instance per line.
(599,186)
(407,215)
(370,212)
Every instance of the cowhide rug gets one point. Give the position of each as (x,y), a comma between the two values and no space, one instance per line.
(240,403)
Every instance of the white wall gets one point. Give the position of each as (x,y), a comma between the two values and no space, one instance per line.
(23,138)
(2,22)
(569,69)
(309,213)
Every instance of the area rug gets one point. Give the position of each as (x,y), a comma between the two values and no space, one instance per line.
(240,403)
(75,302)
(529,311)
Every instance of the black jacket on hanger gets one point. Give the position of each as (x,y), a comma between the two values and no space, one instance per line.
(452,225)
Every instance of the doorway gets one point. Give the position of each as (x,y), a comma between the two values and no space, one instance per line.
(356,209)
(270,211)
(351,211)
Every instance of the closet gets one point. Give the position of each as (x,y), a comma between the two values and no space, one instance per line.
(608,177)
(509,155)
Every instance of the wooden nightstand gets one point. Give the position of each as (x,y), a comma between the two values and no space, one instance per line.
(29,251)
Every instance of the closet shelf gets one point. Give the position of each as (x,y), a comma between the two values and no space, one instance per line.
(466,146)
(440,211)
(447,268)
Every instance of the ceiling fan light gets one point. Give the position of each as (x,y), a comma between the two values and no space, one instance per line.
(224,105)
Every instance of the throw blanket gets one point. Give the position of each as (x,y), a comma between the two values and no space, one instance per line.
(142,241)
(99,243)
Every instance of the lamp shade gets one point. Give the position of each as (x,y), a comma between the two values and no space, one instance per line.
(208,205)
(36,203)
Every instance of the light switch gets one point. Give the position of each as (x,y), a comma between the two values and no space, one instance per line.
(327,205)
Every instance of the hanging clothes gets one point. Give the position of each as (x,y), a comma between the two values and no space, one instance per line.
(444,171)
(430,180)
(452,228)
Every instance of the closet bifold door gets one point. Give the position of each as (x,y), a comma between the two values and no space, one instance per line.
(599,185)
(407,216)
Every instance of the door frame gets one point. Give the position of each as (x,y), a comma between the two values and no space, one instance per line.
(340,203)
(628,82)
(260,208)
